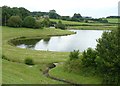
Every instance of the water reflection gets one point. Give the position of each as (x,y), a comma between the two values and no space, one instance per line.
(82,40)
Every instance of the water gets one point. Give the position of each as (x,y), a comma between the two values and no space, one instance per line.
(82,40)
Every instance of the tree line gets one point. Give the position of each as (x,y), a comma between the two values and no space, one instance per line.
(7,12)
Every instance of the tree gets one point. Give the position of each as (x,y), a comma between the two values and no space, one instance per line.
(60,25)
(29,22)
(53,14)
(77,17)
(108,49)
(7,12)
(15,21)
(89,57)
(74,55)
(38,25)
(46,22)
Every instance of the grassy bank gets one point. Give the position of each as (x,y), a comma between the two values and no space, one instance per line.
(15,72)
(79,78)
(93,27)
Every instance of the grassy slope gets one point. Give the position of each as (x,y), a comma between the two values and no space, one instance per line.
(13,72)
(17,73)
(80,78)
(112,20)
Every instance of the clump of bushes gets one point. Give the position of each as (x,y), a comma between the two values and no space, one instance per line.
(89,57)
(60,25)
(15,21)
(29,61)
(74,55)
(29,22)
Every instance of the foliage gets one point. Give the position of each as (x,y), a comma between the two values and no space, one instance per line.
(60,25)
(108,48)
(38,25)
(29,61)
(89,57)
(46,22)
(77,17)
(74,55)
(15,21)
(29,22)
(53,14)
(7,12)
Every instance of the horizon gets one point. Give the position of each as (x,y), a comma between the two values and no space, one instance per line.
(92,8)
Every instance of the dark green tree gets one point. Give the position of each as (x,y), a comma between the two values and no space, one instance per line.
(74,55)
(38,25)
(46,22)
(29,22)
(108,49)
(53,14)
(60,25)
(15,21)
(89,57)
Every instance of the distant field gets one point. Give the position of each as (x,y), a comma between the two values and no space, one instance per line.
(112,20)
(93,27)
(89,26)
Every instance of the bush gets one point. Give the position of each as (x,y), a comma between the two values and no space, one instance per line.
(14,21)
(73,65)
(74,55)
(38,25)
(60,25)
(29,61)
(46,22)
(29,22)
(89,57)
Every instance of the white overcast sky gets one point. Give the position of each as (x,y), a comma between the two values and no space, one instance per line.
(93,8)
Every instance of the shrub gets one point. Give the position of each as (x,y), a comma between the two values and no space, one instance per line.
(89,57)
(74,55)
(29,22)
(46,22)
(14,21)
(29,61)
(60,25)
(38,25)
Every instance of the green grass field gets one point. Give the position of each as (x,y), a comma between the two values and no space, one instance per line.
(112,20)
(90,26)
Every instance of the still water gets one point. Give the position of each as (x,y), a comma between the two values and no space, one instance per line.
(82,40)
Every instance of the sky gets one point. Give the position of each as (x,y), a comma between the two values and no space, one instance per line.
(91,8)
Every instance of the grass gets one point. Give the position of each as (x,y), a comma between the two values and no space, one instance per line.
(14,69)
(17,73)
(89,26)
(93,27)
(80,78)
(79,23)
(112,20)
(18,55)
